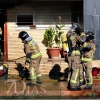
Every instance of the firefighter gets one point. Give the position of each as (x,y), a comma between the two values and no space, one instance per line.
(87,57)
(33,57)
(75,36)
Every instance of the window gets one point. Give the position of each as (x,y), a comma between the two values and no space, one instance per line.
(24,20)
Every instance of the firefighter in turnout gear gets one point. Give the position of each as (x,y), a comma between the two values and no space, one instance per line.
(33,57)
(87,57)
(76,37)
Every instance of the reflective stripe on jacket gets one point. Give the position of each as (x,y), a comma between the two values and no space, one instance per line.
(86,59)
(87,56)
(37,52)
(31,50)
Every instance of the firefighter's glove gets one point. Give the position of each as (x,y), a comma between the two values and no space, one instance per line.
(27,62)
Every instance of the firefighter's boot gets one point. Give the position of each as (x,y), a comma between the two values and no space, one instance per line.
(75,89)
(81,83)
(31,83)
(39,80)
(88,87)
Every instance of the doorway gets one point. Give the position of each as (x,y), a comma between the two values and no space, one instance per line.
(77,12)
(2,20)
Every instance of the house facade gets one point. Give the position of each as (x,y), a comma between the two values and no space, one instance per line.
(34,16)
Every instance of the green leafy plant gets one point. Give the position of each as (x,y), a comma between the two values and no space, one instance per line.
(58,34)
(53,35)
(49,36)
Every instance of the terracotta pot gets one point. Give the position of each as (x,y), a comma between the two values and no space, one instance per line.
(53,52)
(62,53)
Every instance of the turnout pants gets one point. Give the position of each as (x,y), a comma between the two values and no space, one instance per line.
(35,74)
(88,72)
(75,66)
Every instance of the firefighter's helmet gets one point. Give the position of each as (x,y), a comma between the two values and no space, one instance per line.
(23,35)
(90,35)
(76,28)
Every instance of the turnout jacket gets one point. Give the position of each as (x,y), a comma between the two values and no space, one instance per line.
(75,42)
(32,50)
(88,51)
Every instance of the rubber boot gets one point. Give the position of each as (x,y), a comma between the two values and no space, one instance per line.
(81,83)
(31,83)
(88,87)
(75,89)
(39,81)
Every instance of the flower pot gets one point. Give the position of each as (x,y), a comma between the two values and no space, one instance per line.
(53,52)
(62,53)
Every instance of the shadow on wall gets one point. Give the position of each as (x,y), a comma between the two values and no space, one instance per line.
(55,72)
(45,43)
(66,71)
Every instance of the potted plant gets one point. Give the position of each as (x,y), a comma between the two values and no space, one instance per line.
(58,41)
(53,36)
(59,33)
(49,36)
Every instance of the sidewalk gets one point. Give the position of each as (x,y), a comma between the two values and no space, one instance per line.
(50,89)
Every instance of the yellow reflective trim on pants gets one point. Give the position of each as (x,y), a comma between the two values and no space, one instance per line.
(86,59)
(36,55)
(39,75)
(73,81)
(32,74)
(91,75)
(32,71)
(76,52)
(76,74)
(32,77)
(91,79)
(90,83)
(81,80)
(73,52)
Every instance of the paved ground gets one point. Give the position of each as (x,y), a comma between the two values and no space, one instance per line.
(15,87)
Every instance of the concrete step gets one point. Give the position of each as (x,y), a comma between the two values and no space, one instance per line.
(46,65)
